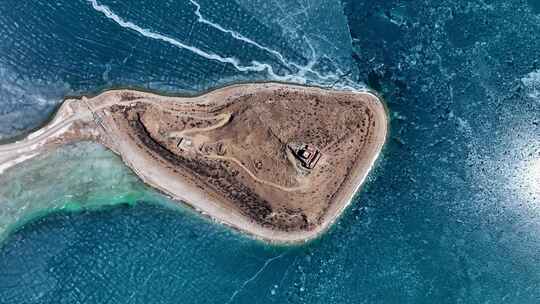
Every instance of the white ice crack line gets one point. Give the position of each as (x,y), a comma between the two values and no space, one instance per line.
(105,10)
(302,70)
(255,67)
(270,260)
(236,35)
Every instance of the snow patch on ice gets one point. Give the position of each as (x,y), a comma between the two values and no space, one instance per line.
(532,84)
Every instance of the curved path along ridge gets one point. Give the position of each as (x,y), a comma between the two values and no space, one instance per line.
(280,162)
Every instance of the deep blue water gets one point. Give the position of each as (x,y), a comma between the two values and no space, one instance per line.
(450,215)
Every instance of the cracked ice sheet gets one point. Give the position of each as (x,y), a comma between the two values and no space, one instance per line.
(86,46)
(309,24)
(290,41)
(532,84)
(24,102)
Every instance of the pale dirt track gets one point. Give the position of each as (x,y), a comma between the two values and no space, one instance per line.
(68,115)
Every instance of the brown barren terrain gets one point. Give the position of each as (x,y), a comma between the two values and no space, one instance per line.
(277,161)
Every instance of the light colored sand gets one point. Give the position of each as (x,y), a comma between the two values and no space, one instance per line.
(66,127)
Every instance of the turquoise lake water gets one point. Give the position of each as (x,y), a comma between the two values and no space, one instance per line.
(451,213)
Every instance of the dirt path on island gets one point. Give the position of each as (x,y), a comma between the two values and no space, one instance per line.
(75,112)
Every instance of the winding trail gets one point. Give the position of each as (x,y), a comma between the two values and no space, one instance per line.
(96,119)
(252,175)
(225,118)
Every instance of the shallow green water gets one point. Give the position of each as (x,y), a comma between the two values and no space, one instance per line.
(451,215)
(72,178)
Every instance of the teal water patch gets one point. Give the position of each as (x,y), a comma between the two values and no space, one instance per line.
(535,5)
(134,254)
(74,177)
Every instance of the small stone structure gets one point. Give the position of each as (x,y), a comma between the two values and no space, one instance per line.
(308,155)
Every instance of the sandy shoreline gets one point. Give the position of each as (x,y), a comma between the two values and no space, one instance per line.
(76,121)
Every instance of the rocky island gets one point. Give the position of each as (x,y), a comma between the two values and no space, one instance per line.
(280,162)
